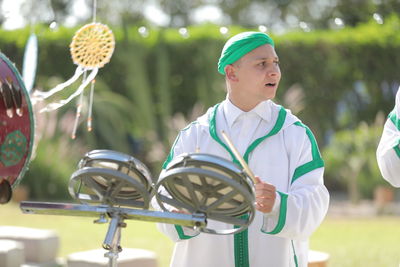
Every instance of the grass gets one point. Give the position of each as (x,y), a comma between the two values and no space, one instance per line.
(351,242)
(80,233)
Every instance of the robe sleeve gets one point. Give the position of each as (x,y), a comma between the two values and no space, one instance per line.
(175,232)
(305,203)
(388,151)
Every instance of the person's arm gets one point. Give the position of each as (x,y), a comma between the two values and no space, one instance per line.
(388,151)
(174,232)
(299,211)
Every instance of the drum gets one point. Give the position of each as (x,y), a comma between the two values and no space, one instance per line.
(210,185)
(17,128)
(111,178)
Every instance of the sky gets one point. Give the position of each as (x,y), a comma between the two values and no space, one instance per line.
(14,20)
(10,9)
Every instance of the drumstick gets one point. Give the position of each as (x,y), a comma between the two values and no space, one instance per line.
(238,156)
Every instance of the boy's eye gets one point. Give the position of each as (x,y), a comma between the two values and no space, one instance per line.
(264,63)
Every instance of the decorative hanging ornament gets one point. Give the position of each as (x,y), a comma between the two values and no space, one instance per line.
(91,48)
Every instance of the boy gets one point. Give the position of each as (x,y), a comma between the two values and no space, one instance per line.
(291,199)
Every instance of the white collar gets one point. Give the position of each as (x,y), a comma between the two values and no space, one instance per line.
(231,112)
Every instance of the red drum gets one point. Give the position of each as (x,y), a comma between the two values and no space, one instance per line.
(17,128)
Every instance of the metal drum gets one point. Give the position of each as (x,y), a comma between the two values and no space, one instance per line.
(17,128)
(111,178)
(210,185)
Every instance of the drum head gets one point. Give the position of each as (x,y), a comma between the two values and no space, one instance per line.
(207,184)
(112,178)
(17,124)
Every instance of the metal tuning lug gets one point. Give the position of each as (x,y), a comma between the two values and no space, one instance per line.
(101,220)
(16,95)
(6,94)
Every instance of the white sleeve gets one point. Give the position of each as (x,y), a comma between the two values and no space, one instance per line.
(397,106)
(388,151)
(304,206)
(174,232)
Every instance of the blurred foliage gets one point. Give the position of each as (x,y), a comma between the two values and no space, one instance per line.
(48,175)
(277,15)
(351,160)
(155,84)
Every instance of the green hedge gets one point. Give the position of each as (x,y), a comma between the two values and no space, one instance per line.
(332,79)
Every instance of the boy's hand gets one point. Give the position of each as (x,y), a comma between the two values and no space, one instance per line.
(265,195)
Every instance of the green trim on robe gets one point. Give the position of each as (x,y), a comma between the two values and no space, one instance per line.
(170,156)
(214,135)
(181,233)
(241,239)
(282,215)
(397,148)
(171,152)
(277,127)
(295,256)
(241,247)
(315,163)
(396,121)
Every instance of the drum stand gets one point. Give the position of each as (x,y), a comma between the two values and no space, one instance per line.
(213,189)
(117,215)
(107,185)
(112,240)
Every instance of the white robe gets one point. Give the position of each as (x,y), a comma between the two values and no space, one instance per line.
(388,152)
(288,158)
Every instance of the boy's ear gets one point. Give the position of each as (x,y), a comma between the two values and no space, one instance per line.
(230,73)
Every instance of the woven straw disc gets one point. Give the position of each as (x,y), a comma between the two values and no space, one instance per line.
(92,45)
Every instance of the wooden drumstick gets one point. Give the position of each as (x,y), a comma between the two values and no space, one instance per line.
(238,156)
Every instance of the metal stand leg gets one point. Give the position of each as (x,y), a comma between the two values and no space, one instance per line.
(113,239)
(117,216)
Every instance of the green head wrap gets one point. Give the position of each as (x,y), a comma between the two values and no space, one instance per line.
(239,45)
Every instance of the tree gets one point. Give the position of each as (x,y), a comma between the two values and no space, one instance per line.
(46,11)
(2,18)
(179,11)
(350,159)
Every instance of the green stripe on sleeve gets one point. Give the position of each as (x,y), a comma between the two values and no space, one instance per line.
(315,163)
(394,119)
(282,215)
(397,148)
(181,234)
(170,157)
(171,152)
(306,168)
